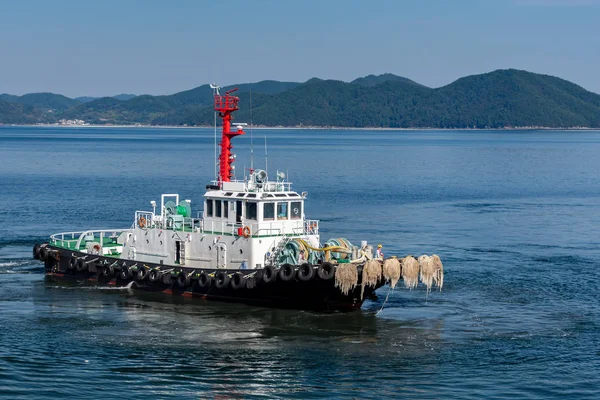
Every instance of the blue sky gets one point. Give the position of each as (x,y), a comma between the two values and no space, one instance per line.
(107,47)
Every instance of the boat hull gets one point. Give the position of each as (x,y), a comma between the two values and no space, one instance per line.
(315,294)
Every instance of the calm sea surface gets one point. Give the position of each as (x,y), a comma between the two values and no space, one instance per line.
(515,216)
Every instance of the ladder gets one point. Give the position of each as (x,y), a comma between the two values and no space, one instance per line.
(273,259)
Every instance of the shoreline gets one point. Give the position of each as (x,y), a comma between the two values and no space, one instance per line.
(325,128)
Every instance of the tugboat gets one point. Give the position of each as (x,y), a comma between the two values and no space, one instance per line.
(250,244)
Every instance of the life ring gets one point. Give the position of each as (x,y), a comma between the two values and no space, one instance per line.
(221,280)
(246,231)
(305,272)
(141,222)
(326,271)
(237,281)
(287,272)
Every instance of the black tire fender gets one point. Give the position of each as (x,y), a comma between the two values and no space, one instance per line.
(183,279)
(80,265)
(269,274)
(142,274)
(166,278)
(326,271)
(125,273)
(72,263)
(250,282)
(91,267)
(221,280)
(238,281)
(108,271)
(154,275)
(36,251)
(204,280)
(305,272)
(43,254)
(287,272)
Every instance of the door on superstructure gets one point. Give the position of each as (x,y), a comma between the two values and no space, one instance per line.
(238,211)
(179,252)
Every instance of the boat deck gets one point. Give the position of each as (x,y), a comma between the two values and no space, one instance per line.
(79,241)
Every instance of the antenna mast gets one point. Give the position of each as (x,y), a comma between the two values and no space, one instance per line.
(226,105)
(251,142)
(266,158)
(215,89)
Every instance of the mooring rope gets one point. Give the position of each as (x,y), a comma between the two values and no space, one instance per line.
(390,290)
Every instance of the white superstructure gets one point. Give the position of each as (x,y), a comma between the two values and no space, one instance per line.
(243,225)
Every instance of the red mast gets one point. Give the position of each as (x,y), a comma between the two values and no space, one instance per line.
(226,105)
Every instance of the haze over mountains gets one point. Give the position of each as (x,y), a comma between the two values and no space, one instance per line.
(502,98)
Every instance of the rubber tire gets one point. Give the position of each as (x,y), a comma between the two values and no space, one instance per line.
(204,280)
(36,252)
(326,271)
(183,280)
(43,254)
(287,272)
(154,275)
(125,273)
(80,266)
(237,281)
(142,274)
(72,263)
(305,272)
(269,274)
(250,283)
(107,271)
(221,280)
(91,267)
(166,278)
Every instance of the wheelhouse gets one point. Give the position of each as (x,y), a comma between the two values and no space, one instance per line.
(256,209)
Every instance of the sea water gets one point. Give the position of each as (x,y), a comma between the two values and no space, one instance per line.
(514,215)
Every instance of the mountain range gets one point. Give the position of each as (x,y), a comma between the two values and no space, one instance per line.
(498,99)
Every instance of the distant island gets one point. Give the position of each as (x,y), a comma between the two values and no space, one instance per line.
(499,99)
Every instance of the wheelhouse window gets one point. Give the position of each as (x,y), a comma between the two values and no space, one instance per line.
(218,208)
(251,210)
(269,211)
(282,210)
(296,210)
(225,209)
(209,208)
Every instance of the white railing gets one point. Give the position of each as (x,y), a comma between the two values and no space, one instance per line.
(265,228)
(269,187)
(146,218)
(73,240)
(311,227)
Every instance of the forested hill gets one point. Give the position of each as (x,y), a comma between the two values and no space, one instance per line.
(503,98)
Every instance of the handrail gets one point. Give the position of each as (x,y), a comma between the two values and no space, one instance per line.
(277,230)
(81,234)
